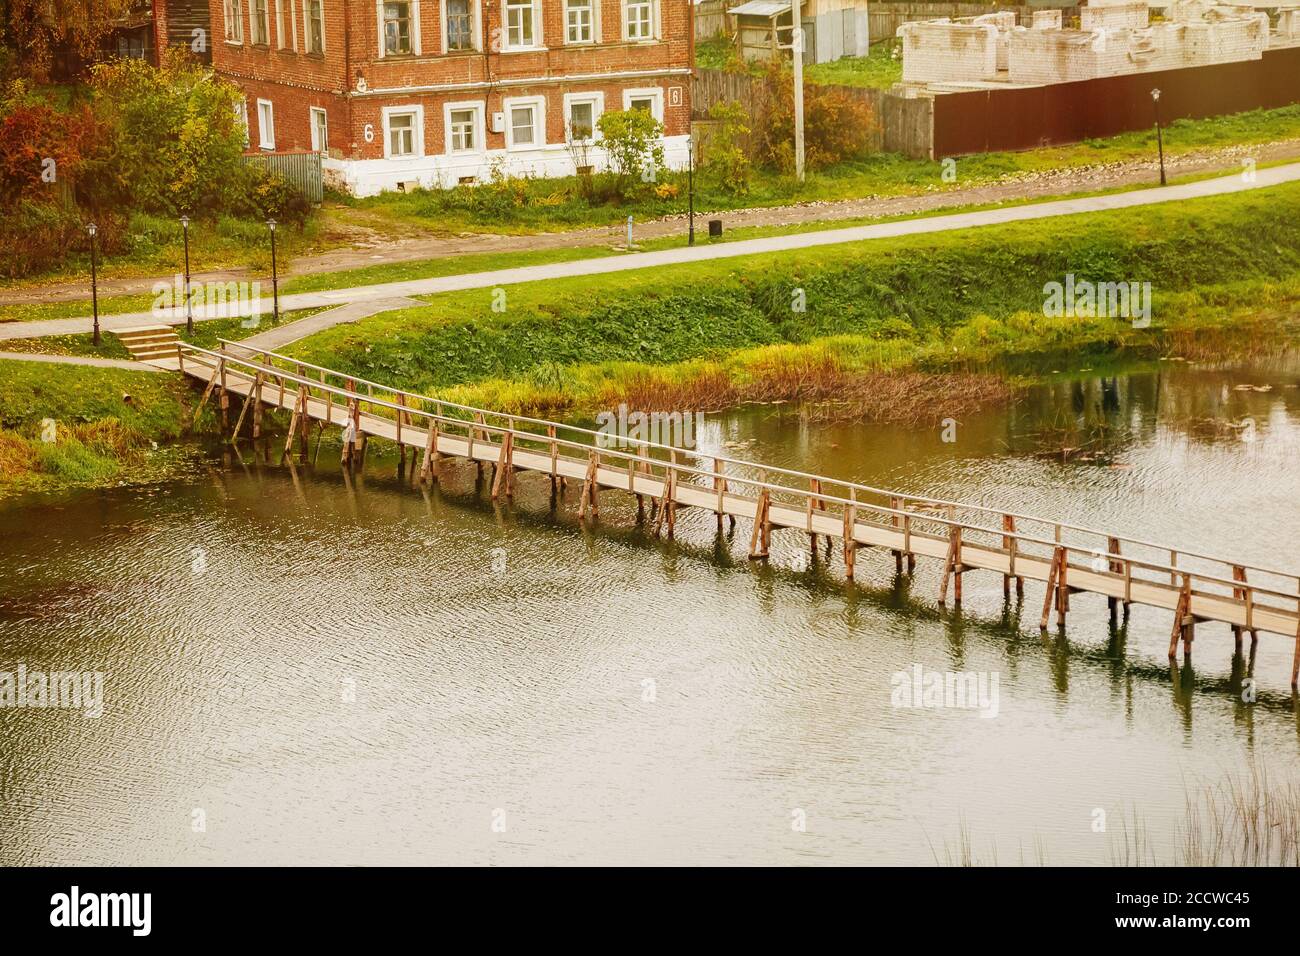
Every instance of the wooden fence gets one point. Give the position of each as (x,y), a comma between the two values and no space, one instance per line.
(903,125)
(302,170)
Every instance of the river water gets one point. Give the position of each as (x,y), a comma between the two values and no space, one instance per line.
(305,668)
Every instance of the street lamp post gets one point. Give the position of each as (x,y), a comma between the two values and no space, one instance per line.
(91,230)
(189,315)
(1160,139)
(275,280)
(690,191)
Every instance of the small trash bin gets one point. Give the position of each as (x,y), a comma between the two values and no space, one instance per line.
(715,228)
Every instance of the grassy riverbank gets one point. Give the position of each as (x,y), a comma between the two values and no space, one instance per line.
(85,426)
(809,323)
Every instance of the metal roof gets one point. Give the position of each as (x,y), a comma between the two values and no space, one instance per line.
(762,8)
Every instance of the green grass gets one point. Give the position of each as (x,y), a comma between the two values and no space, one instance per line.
(106,423)
(925,298)
(880,69)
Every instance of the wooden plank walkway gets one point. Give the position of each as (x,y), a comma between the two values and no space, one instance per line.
(1069,559)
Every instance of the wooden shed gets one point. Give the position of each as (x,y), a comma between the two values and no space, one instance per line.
(761,29)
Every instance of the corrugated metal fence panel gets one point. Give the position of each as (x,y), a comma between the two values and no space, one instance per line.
(1012,119)
(302,170)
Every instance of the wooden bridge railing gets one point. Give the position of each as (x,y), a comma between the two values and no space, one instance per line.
(1018,538)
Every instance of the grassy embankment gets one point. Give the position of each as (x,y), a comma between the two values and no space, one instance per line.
(532,205)
(1224,271)
(106,424)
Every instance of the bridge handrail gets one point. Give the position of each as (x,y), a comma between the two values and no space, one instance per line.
(969,506)
(1170,569)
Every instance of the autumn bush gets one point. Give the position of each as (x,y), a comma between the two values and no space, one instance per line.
(837,124)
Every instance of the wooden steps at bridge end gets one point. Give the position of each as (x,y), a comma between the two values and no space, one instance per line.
(155,344)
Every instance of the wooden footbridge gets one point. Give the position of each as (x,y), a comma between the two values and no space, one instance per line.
(1069,559)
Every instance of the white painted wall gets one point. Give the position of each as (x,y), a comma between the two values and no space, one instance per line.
(369,177)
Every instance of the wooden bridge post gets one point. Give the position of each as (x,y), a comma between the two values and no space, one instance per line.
(666,513)
(555,459)
(250,398)
(850,541)
(504,481)
(1012,545)
(759,537)
(1115,567)
(429,467)
(1053,588)
(1238,574)
(720,486)
(1182,625)
(896,504)
(589,497)
(478,418)
(814,501)
(907,542)
(952,566)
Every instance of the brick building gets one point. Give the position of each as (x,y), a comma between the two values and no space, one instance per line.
(436,92)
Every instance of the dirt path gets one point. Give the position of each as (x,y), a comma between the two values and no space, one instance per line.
(368,248)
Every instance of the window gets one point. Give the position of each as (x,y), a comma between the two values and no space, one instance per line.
(259,19)
(581,112)
(281,34)
(234,21)
(241,117)
(397,18)
(639,20)
(525,128)
(650,100)
(320,136)
(579,21)
(521,25)
(460,25)
(265,124)
(464,127)
(314,23)
(403,131)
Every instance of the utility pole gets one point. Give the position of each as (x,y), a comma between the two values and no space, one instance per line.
(796,43)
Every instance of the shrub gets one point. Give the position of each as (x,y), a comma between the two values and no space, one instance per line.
(837,125)
(633,141)
(726,158)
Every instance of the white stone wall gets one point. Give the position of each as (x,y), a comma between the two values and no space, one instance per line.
(1114,16)
(1288,24)
(1047,20)
(936,51)
(1064,56)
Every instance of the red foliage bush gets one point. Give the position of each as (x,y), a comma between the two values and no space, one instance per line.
(837,125)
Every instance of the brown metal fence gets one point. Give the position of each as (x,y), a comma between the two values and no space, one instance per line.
(1011,119)
(302,170)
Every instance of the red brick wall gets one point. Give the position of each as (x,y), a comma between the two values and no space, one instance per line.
(295,80)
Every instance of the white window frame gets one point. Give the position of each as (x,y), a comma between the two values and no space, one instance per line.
(415,28)
(475,28)
(232,13)
(537,44)
(265,22)
(597,101)
(306,27)
(539,121)
(594,7)
(241,114)
(418,138)
(317,145)
(654,93)
(624,6)
(479,107)
(263,141)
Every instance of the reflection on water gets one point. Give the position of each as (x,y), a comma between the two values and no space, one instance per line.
(353,670)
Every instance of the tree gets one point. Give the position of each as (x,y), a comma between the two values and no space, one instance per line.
(177,139)
(633,141)
(837,125)
(31,31)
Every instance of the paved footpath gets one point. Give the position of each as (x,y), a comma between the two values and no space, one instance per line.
(77,360)
(648,260)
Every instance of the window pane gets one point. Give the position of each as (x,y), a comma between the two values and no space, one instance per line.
(397,28)
(580,120)
(459,25)
(462,129)
(521,125)
(646,103)
(401,129)
(579,21)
